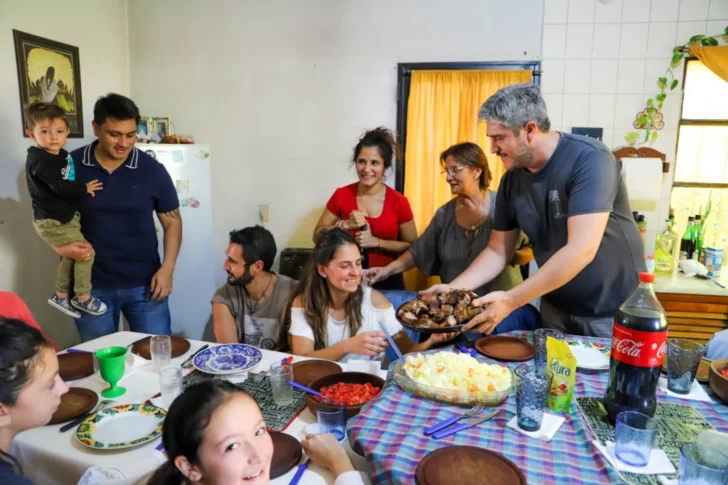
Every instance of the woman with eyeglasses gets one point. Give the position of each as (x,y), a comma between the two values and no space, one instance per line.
(460,229)
(378,216)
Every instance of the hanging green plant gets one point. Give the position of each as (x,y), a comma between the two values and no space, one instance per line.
(650,119)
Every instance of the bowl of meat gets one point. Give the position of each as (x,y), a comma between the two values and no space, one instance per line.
(352,389)
(440,313)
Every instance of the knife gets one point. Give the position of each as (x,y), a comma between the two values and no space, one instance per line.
(299,473)
(189,359)
(465,425)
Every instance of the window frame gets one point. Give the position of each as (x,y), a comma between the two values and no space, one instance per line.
(404,77)
(692,122)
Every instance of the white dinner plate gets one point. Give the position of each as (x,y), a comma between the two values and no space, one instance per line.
(589,356)
(121,426)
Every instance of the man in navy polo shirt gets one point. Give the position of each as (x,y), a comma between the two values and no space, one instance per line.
(119,223)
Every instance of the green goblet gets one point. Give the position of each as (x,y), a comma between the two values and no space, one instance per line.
(112,362)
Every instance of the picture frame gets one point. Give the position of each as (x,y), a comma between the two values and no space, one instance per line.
(144,127)
(49,71)
(161,126)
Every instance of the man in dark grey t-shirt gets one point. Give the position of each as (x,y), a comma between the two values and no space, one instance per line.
(567,194)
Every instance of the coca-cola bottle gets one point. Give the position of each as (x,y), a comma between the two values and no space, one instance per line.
(639,342)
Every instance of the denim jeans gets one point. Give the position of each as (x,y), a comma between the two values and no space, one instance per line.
(717,348)
(143,314)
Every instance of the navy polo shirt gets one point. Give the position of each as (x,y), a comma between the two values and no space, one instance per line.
(119,220)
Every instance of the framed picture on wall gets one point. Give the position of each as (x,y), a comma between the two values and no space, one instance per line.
(49,71)
(160,128)
(144,127)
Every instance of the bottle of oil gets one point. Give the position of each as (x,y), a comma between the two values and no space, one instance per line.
(665,250)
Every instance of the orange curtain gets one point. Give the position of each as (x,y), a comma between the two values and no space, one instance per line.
(442,110)
(714,58)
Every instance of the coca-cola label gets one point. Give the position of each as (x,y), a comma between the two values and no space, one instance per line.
(641,349)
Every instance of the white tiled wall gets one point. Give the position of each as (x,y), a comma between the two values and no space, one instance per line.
(601,61)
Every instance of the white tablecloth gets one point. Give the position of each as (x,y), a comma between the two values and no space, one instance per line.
(49,457)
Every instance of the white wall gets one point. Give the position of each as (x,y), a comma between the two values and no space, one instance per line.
(99,29)
(602,59)
(282,89)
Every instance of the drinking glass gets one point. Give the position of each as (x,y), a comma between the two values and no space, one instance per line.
(160,347)
(635,436)
(683,359)
(170,383)
(280,373)
(532,391)
(703,465)
(539,343)
(332,419)
(112,362)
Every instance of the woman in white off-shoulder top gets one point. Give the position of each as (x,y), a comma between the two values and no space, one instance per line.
(334,317)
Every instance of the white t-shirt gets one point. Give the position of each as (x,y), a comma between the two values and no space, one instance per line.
(337,331)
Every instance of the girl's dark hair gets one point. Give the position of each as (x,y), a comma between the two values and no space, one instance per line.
(385,142)
(185,424)
(20,345)
(470,155)
(314,291)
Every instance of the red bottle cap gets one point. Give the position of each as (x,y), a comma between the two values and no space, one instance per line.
(647,278)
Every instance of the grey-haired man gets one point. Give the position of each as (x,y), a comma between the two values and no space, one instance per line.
(566,193)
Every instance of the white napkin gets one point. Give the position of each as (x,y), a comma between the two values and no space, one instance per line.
(550,425)
(366,366)
(658,464)
(697,393)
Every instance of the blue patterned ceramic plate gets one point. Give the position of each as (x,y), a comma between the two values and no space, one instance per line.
(227,359)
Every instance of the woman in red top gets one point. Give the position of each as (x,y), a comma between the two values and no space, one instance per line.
(379,217)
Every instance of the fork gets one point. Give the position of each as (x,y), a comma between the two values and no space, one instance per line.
(477,409)
(80,419)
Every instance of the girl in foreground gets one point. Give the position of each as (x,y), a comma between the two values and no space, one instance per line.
(333,316)
(214,434)
(30,389)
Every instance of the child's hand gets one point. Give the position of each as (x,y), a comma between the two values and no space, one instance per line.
(93,186)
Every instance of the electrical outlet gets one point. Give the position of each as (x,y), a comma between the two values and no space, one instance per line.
(264,211)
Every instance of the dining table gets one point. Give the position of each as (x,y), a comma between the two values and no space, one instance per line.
(50,457)
(389,432)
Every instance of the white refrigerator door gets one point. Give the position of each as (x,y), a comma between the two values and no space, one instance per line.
(194,280)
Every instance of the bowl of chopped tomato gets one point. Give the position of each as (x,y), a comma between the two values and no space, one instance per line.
(718,378)
(350,389)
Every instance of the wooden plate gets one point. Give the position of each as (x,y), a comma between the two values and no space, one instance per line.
(467,464)
(179,347)
(509,349)
(73,404)
(307,371)
(703,370)
(76,365)
(287,453)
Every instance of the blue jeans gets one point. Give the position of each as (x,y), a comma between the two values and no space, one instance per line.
(143,314)
(717,348)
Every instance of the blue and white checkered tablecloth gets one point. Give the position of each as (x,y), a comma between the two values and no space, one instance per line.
(389,433)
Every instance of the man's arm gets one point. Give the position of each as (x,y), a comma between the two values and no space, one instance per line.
(489,263)
(223,324)
(585,234)
(172,226)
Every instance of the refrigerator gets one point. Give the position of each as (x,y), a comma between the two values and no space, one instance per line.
(194,274)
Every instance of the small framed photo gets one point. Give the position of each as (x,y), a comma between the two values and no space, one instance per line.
(144,127)
(160,128)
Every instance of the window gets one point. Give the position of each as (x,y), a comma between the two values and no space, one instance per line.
(701,163)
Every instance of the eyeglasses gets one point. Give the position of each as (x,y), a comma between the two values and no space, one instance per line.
(452,171)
